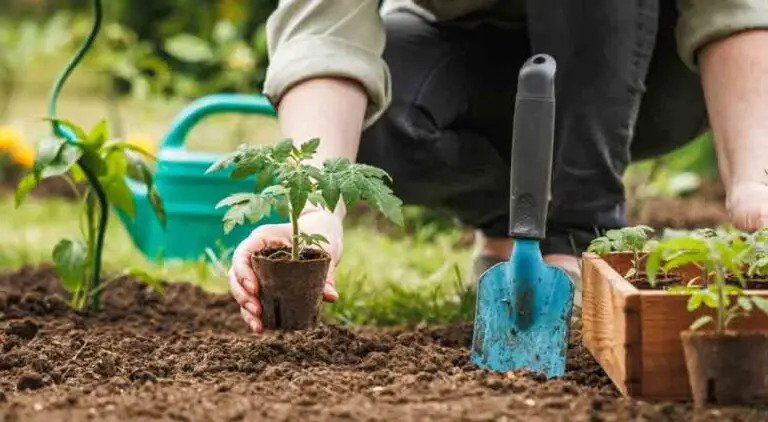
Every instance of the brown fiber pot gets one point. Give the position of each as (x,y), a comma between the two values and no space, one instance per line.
(729,369)
(291,291)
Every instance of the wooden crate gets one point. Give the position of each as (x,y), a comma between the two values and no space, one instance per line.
(635,334)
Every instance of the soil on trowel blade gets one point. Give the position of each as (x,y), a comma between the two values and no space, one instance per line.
(188,357)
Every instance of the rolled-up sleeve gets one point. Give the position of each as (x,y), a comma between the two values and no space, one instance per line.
(705,21)
(328,38)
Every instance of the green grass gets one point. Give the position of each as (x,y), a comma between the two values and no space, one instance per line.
(382,279)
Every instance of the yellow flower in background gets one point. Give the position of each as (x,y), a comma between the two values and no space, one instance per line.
(23,154)
(12,142)
(143,141)
(10,136)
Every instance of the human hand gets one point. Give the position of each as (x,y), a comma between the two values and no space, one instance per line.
(747,205)
(243,280)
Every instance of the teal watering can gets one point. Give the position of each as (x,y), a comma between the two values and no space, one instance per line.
(189,195)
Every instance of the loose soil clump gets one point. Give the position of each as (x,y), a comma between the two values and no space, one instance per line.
(187,356)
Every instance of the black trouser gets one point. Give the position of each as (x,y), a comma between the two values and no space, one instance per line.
(622,93)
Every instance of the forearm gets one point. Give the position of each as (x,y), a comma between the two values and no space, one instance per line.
(332,109)
(735,80)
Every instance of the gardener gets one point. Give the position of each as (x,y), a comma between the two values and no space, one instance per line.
(431,89)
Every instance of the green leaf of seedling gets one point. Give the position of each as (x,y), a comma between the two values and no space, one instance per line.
(350,193)
(244,206)
(148,279)
(282,207)
(223,162)
(710,298)
(94,162)
(694,302)
(701,322)
(138,169)
(158,207)
(46,152)
(64,161)
(77,174)
(98,135)
(25,186)
(745,303)
(69,257)
(653,264)
(248,166)
(316,199)
(312,240)
(381,198)
(282,150)
(761,303)
(309,149)
(235,199)
(120,195)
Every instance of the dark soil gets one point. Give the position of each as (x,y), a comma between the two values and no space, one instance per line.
(284,254)
(661,283)
(756,283)
(188,357)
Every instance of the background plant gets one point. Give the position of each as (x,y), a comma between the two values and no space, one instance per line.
(719,256)
(298,183)
(103,165)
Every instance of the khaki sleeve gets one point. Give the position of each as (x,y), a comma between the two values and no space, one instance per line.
(338,38)
(704,21)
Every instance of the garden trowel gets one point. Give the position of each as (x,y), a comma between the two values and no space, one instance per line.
(524,306)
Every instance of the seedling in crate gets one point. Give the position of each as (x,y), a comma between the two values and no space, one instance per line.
(293,278)
(627,239)
(103,164)
(723,365)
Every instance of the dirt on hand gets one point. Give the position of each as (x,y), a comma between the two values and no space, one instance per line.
(188,356)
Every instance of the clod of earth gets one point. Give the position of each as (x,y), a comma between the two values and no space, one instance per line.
(208,366)
(25,329)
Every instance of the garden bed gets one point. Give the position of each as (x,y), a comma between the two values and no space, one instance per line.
(634,330)
(187,356)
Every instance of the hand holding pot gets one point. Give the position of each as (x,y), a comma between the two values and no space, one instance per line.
(243,281)
(748,205)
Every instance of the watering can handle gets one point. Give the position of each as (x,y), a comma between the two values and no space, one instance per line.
(213,104)
(532,148)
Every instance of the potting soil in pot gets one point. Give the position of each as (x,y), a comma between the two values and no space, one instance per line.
(189,357)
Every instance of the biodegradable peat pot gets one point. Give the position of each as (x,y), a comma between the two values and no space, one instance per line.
(727,369)
(291,291)
(634,331)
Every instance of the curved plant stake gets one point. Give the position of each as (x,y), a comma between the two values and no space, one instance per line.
(104,164)
(285,184)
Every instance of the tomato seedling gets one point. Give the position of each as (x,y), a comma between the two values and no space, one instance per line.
(285,183)
(627,239)
(718,256)
(103,164)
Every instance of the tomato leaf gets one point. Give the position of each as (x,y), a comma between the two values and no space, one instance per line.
(120,195)
(700,322)
(67,157)
(26,184)
(157,206)
(69,257)
(98,135)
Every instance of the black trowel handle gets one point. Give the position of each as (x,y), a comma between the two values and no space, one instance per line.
(532,144)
